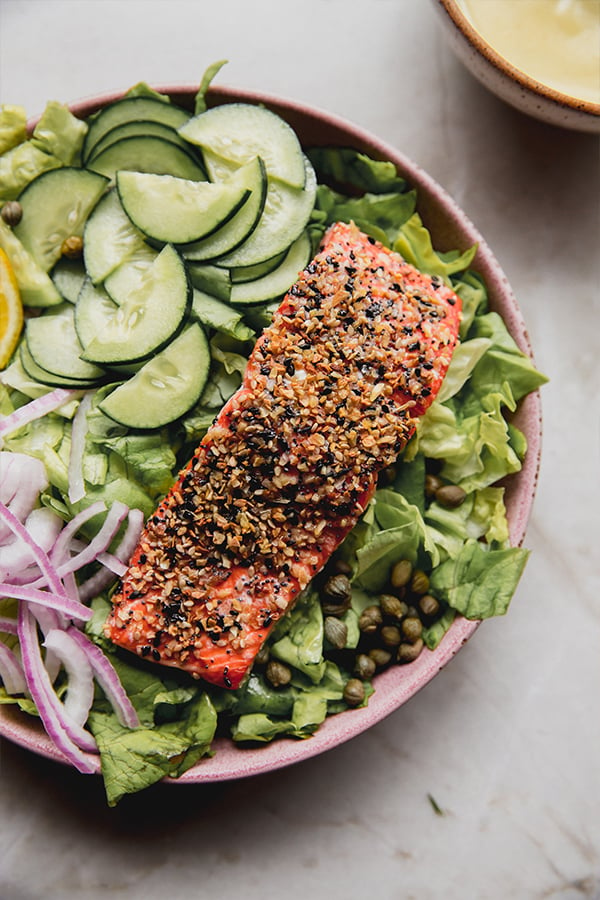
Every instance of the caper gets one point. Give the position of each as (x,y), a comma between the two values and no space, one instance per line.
(392,606)
(412,628)
(72,247)
(278,674)
(391,635)
(11,212)
(429,606)
(380,656)
(262,657)
(407,653)
(336,632)
(354,692)
(450,495)
(432,483)
(342,567)
(364,666)
(419,583)
(336,594)
(370,619)
(400,574)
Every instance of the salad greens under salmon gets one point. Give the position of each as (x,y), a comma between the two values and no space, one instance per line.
(90,445)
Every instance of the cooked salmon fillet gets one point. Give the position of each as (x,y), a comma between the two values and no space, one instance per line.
(332,392)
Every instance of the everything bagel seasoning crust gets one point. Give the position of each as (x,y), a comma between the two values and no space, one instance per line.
(333,389)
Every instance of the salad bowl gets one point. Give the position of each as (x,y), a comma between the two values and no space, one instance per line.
(450,228)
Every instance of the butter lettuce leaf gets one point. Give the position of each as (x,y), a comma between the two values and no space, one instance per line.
(479,582)
(133,759)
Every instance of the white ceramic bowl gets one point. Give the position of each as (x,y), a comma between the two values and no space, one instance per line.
(510,83)
(450,228)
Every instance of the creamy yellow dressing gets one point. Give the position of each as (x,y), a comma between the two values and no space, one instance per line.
(556,42)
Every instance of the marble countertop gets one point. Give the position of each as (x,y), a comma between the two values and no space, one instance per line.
(506,739)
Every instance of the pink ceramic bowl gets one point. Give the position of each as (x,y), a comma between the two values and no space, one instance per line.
(507,81)
(450,228)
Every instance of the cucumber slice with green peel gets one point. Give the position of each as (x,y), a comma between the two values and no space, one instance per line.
(285,216)
(212,279)
(144,128)
(240,274)
(280,280)
(174,210)
(148,318)
(56,206)
(166,387)
(36,373)
(147,154)
(239,131)
(35,286)
(109,238)
(129,276)
(253,177)
(54,346)
(92,310)
(131,109)
(68,276)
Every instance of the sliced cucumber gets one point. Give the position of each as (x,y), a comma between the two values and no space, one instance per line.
(147,154)
(174,210)
(239,131)
(131,109)
(130,275)
(93,310)
(280,280)
(250,273)
(148,318)
(36,373)
(211,279)
(54,346)
(143,128)
(166,387)
(35,285)
(56,206)
(109,238)
(68,276)
(253,177)
(285,216)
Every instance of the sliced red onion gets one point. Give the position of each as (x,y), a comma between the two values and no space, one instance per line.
(60,551)
(36,409)
(22,479)
(50,576)
(99,543)
(108,560)
(103,578)
(16,559)
(8,625)
(108,680)
(11,671)
(70,739)
(80,686)
(49,619)
(78,435)
(61,603)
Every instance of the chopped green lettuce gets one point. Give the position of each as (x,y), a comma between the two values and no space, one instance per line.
(13,126)
(56,141)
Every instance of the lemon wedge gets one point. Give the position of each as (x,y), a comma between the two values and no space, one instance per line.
(11,310)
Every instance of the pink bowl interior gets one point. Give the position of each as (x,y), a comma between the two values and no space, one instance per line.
(450,229)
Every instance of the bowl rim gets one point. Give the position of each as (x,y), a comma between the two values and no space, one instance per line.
(398,684)
(505,67)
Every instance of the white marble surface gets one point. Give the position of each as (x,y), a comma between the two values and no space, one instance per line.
(507,738)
